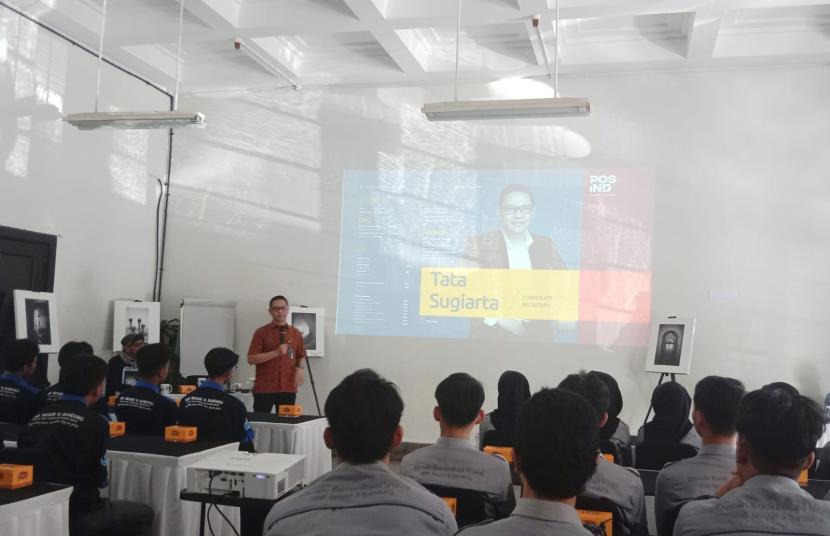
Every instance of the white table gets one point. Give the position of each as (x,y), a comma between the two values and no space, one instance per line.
(42,510)
(149,471)
(246,398)
(284,435)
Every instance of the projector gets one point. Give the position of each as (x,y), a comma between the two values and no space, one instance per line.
(244,474)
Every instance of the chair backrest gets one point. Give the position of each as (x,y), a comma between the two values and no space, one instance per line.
(469,503)
(496,450)
(821,467)
(596,504)
(669,519)
(597,523)
(497,438)
(655,455)
(40,458)
(609,447)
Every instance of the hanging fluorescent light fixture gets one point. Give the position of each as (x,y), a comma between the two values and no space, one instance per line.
(471,110)
(272,69)
(136,120)
(503,109)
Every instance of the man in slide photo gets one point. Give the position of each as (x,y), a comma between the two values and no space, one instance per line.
(512,246)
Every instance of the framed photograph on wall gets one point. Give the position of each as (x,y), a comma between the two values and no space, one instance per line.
(310,321)
(670,345)
(135,317)
(36,319)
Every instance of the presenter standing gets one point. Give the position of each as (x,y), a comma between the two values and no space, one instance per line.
(278,352)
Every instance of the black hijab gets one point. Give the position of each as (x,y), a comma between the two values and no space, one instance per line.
(671,423)
(514,390)
(615,405)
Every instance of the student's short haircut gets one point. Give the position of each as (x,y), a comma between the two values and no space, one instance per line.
(557,442)
(219,361)
(152,357)
(591,388)
(512,189)
(275,298)
(784,386)
(82,374)
(71,349)
(718,399)
(459,397)
(781,430)
(363,411)
(18,353)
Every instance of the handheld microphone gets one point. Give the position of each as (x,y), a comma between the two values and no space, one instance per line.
(283,331)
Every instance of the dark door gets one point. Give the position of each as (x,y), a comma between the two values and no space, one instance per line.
(27,262)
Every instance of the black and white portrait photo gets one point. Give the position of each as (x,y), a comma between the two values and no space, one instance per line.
(669,343)
(136,321)
(310,321)
(36,319)
(135,317)
(306,324)
(670,346)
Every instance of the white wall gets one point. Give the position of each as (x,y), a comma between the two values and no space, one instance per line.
(95,190)
(742,205)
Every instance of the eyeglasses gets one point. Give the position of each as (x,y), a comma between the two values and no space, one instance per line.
(279,308)
(523,210)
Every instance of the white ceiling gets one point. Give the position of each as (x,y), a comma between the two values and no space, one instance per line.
(328,42)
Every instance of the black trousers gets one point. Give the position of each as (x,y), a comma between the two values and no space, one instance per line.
(124,518)
(265,402)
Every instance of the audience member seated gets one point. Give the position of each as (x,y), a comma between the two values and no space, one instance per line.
(141,407)
(556,446)
(670,424)
(514,390)
(455,463)
(125,359)
(620,485)
(715,412)
(19,400)
(777,432)
(68,350)
(784,386)
(218,415)
(362,496)
(78,437)
(614,436)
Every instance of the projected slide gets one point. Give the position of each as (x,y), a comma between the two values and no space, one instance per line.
(558,255)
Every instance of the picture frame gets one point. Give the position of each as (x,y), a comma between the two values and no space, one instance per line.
(135,316)
(311,322)
(670,345)
(36,319)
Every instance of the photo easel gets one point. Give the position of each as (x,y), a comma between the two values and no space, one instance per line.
(684,337)
(308,365)
(313,388)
